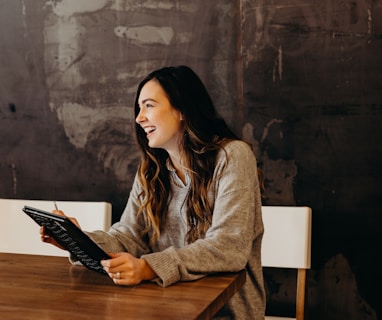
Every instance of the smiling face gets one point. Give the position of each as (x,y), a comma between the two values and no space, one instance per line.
(159,119)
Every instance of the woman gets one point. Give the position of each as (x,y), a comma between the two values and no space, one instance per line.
(195,205)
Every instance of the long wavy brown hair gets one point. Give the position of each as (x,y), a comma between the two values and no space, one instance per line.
(205,133)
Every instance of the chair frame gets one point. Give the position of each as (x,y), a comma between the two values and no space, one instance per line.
(287,244)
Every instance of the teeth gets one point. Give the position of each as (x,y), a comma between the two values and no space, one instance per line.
(149,129)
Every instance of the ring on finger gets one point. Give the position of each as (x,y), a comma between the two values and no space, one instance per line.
(118,275)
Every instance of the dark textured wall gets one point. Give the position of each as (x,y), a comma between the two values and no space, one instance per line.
(300,80)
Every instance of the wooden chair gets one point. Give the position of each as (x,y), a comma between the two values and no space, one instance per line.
(20,234)
(287,244)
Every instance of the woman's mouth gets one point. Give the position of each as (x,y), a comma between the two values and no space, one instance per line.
(149,130)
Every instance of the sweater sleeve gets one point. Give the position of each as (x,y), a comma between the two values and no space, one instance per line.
(229,242)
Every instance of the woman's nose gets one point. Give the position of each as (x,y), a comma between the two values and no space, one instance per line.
(140,117)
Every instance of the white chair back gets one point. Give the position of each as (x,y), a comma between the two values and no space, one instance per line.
(20,234)
(287,237)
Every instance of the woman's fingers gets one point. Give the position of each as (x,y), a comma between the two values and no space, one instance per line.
(45,237)
(61,213)
(126,269)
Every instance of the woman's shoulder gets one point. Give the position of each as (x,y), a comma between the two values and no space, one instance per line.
(236,150)
(238,147)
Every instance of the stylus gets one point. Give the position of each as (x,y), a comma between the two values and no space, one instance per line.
(55,205)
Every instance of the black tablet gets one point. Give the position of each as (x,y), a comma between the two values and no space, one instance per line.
(72,238)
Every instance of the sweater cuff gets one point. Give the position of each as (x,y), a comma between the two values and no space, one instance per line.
(165,265)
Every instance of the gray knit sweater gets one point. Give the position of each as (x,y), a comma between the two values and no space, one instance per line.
(232,243)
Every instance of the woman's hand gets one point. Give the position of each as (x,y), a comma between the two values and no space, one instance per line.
(45,237)
(125,269)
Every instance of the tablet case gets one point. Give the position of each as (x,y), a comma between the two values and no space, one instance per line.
(72,238)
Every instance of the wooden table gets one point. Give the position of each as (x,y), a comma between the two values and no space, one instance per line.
(46,287)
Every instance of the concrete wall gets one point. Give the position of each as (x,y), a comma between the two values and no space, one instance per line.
(301,80)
